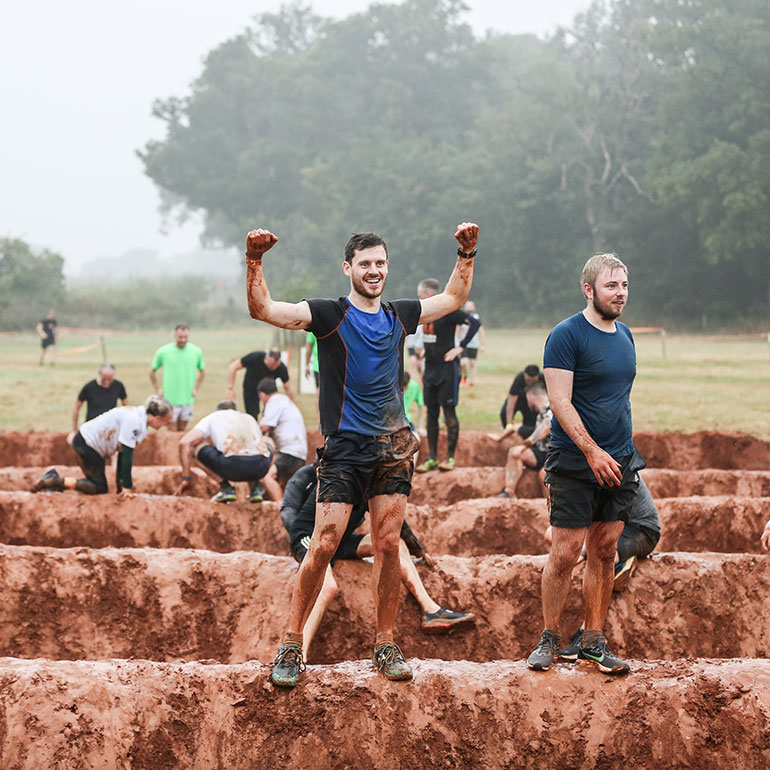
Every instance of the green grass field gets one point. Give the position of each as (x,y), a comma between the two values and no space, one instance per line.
(705,383)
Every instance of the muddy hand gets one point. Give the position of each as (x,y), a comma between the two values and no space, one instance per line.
(467,236)
(258,242)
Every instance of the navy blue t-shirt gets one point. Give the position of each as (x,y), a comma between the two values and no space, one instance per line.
(361,364)
(604,366)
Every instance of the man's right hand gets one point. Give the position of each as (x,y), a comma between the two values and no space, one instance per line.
(258,242)
(605,467)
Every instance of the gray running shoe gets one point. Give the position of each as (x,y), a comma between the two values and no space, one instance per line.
(570,652)
(542,656)
(390,662)
(443,619)
(226,494)
(288,665)
(600,656)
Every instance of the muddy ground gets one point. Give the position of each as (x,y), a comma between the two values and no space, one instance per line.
(198,593)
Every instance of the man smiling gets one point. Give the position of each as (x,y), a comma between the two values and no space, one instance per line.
(368,444)
(592,465)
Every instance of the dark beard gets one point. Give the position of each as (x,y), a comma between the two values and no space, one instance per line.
(606,312)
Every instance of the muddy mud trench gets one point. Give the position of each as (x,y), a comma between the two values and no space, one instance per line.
(137,632)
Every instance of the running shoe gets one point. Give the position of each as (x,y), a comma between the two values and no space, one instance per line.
(442,620)
(623,572)
(447,464)
(390,662)
(570,652)
(50,481)
(600,656)
(504,494)
(226,494)
(542,656)
(256,492)
(288,665)
(429,465)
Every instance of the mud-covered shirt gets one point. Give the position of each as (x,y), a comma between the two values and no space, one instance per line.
(125,425)
(361,364)
(233,433)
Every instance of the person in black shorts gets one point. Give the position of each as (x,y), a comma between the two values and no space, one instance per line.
(368,445)
(258,365)
(532,453)
(298,512)
(592,467)
(47,331)
(441,376)
(99,396)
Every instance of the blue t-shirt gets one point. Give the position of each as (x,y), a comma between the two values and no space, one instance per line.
(361,363)
(604,366)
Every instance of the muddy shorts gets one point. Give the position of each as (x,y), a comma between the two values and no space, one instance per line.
(286,466)
(636,541)
(93,466)
(540,457)
(578,500)
(353,467)
(440,383)
(234,467)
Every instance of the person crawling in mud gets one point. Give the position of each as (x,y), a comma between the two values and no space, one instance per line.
(298,512)
(368,445)
(637,541)
(592,467)
(229,446)
(119,430)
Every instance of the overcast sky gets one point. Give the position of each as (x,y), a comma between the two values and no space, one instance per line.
(77,82)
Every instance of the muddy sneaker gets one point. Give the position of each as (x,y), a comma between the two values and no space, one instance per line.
(429,465)
(390,662)
(570,652)
(288,665)
(623,572)
(599,655)
(256,493)
(50,481)
(226,494)
(504,494)
(542,656)
(448,464)
(442,620)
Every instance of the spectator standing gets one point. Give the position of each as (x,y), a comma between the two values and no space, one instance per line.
(99,396)
(47,331)
(472,349)
(258,365)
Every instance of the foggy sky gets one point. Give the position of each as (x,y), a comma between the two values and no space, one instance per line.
(77,82)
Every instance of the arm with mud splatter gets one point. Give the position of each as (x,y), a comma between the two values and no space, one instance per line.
(458,286)
(261,305)
(187,445)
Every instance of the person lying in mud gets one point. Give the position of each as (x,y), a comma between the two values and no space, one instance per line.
(298,517)
(229,446)
(637,541)
(119,430)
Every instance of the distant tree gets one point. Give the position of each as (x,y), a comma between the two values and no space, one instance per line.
(31,283)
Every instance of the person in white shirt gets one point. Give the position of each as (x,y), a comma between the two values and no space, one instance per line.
(229,446)
(282,421)
(118,430)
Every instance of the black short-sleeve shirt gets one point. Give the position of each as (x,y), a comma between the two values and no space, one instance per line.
(99,400)
(256,371)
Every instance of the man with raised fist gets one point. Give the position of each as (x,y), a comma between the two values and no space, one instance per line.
(368,444)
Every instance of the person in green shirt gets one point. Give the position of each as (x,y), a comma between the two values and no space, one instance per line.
(311,357)
(183,373)
(413,395)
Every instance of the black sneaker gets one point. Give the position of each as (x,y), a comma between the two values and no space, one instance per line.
(570,652)
(288,665)
(413,544)
(442,620)
(390,662)
(542,656)
(226,494)
(256,492)
(50,481)
(600,656)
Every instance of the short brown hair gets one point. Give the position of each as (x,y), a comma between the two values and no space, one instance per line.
(361,241)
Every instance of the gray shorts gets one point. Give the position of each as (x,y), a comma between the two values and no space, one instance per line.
(183,413)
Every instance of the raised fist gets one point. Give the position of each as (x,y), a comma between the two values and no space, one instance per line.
(258,242)
(467,236)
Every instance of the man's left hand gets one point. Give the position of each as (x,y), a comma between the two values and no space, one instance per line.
(451,354)
(467,236)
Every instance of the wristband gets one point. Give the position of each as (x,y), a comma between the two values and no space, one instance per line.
(465,255)
(187,478)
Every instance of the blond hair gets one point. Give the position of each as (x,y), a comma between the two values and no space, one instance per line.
(596,264)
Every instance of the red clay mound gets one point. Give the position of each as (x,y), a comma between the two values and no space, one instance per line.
(496,716)
(704,449)
(667,483)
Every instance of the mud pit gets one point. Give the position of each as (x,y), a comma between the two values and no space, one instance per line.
(97,578)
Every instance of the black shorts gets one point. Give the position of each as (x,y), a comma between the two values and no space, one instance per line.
(47,342)
(286,466)
(540,457)
(347,549)
(470,353)
(636,541)
(235,467)
(440,384)
(317,378)
(91,462)
(577,499)
(353,467)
